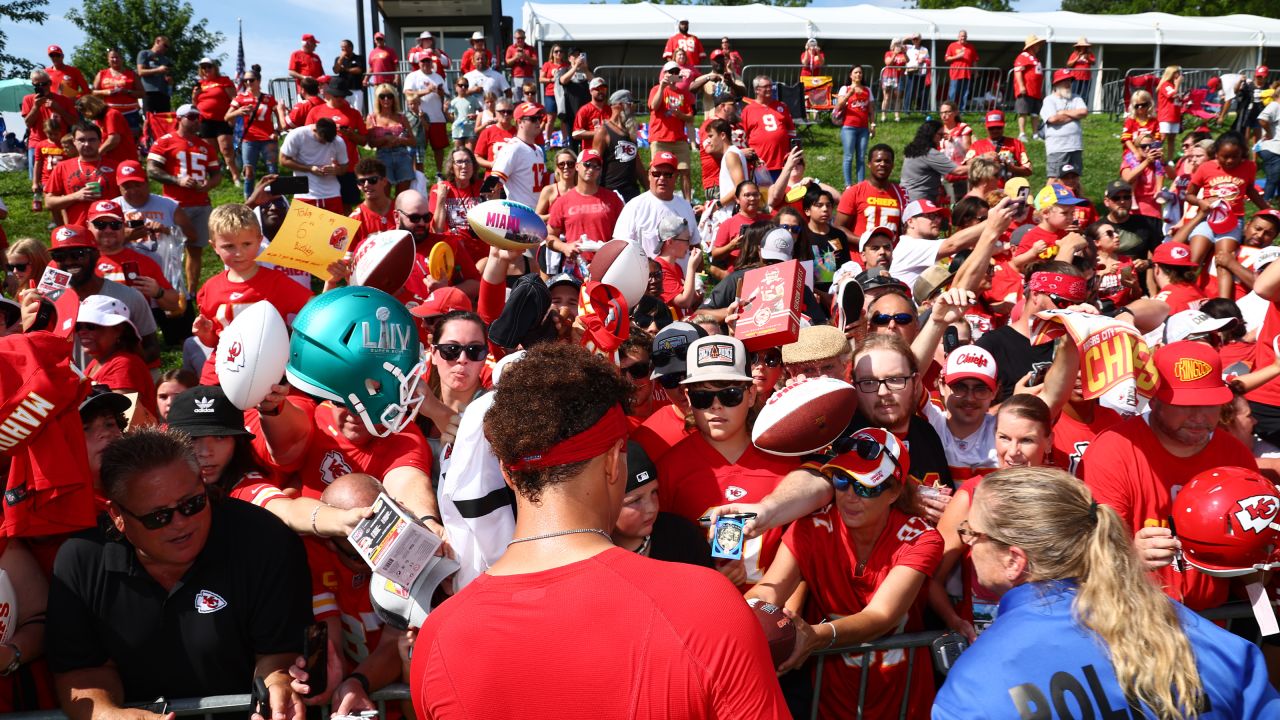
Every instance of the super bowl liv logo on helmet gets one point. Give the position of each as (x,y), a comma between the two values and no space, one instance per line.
(391,337)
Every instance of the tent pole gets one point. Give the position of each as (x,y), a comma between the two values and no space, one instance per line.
(933,67)
(1095,87)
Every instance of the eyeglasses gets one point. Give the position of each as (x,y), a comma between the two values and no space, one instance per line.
(452,351)
(104,224)
(771,358)
(1109,232)
(872,385)
(69,254)
(657,174)
(978,390)
(415,218)
(18,267)
(371,180)
(972,537)
(664,356)
(883,319)
(728,397)
(639,370)
(157,519)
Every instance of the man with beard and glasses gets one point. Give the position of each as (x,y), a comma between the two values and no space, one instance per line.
(414,213)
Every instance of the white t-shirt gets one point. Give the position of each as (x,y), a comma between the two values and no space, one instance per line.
(302,145)
(638,222)
(911,257)
(1271,113)
(491,80)
(978,451)
(431,105)
(523,169)
(726,179)
(158,208)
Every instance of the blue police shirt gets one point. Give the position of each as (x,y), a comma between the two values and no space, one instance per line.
(1036,662)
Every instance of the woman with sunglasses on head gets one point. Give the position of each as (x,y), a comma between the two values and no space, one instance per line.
(260,129)
(566,179)
(864,560)
(1077,608)
(25,261)
(391,137)
(718,463)
(230,468)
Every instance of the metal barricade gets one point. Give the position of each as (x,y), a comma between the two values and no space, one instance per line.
(790,74)
(208,707)
(1149,79)
(922,91)
(638,79)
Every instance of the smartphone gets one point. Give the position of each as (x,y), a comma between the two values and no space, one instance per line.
(159,706)
(315,648)
(289,185)
(950,339)
(1024,193)
(489,184)
(795,142)
(130,270)
(1038,371)
(135,222)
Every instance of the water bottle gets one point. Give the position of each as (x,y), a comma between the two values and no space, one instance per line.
(37,202)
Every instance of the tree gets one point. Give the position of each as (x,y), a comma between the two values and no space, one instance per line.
(993,5)
(132,25)
(13,12)
(1196,8)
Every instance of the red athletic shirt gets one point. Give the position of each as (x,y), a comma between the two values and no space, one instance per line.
(382,62)
(672,279)
(120,85)
(857,108)
(112,122)
(371,222)
(111,267)
(1179,297)
(1032,75)
(652,651)
(662,430)
(343,117)
(70,175)
(472,60)
(1136,130)
(574,215)
(590,117)
(1071,437)
(221,300)
(44,113)
(1049,237)
(769,132)
(731,228)
(298,113)
(690,44)
(1168,109)
(457,202)
(259,127)
(68,81)
(1216,183)
(212,99)
(1127,468)
(663,126)
(960,67)
(551,70)
(521,66)
(828,563)
(125,371)
(185,156)
(1007,149)
(870,206)
(491,139)
(1268,394)
(305,63)
(338,592)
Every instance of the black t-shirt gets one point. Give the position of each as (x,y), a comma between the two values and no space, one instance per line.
(928,459)
(349,81)
(248,593)
(619,160)
(1139,235)
(1015,356)
(675,539)
(826,249)
(725,293)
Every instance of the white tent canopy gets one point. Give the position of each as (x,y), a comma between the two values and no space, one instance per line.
(550,22)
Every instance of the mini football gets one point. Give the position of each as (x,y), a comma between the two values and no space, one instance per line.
(622,265)
(778,629)
(805,417)
(441,262)
(8,608)
(507,224)
(383,261)
(251,354)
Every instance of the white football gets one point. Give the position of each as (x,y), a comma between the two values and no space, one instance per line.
(622,265)
(383,261)
(8,608)
(251,354)
(403,608)
(507,224)
(805,417)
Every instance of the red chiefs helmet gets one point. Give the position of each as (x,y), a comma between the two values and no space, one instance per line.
(1226,520)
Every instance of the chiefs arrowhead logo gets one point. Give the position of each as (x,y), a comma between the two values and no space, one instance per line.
(733,493)
(1257,512)
(127,170)
(333,466)
(234,360)
(208,601)
(65,233)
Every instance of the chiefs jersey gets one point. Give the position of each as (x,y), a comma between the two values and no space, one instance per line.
(870,207)
(221,300)
(769,131)
(371,222)
(185,157)
(338,591)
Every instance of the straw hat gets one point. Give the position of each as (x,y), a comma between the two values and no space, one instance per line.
(1083,42)
(1032,40)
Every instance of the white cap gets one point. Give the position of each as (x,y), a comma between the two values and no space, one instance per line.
(716,358)
(186,109)
(1191,322)
(670,65)
(778,245)
(477,35)
(106,311)
(1265,257)
(425,35)
(877,230)
(206,60)
(971,361)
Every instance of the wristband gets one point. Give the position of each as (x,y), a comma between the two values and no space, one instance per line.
(315,511)
(432,518)
(832,641)
(360,678)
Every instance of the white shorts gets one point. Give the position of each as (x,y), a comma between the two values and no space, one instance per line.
(1170,128)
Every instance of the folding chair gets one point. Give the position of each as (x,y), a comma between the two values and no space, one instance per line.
(793,96)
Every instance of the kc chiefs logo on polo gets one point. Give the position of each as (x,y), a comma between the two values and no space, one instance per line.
(1257,512)
(208,601)
(1191,369)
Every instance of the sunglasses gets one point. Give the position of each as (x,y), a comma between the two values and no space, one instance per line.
(771,358)
(373,180)
(657,174)
(790,228)
(883,319)
(452,351)
(104,224)
(728,397)
(1060,302)
(1212,338)
(673,71)
(639,371)
(40,86)
(1138,105)
(565,165)
(388,96)
(505,112)
(842,481)
(662,357)
(18,267)
(61,256)
(867,449)
(415,218)
(160,518)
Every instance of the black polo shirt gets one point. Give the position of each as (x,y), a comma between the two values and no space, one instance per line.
(248,593)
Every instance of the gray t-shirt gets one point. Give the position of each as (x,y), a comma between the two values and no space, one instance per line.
(1068,136)
(922,176)
(154,83)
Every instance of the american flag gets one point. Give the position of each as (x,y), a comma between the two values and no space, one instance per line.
(240,57)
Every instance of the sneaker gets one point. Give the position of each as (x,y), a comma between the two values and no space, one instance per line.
(1022,138)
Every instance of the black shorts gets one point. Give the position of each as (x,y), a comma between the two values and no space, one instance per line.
(1027,105)
(210,129)
(157,102)
(350,191)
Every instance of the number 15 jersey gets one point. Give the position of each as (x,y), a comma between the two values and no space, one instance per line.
(181,156)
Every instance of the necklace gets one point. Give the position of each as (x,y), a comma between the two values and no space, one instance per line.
(644,546)
(561,532)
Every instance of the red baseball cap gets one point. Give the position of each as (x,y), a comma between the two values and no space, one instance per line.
(68,236)
(1190,374)
(871,472)
(379,34)
(310,38)
(971,361)
(130,171)
(1262,70)
(54,50)
(593,154)
(105,208)
(664,159)
(1062,74)
(529,110)
(443,300)
(1173,253)
(995,117)
(1269,214)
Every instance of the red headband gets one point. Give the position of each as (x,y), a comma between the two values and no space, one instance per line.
(589,443)
(1068,287)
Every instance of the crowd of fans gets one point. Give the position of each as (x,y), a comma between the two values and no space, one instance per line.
(160,541)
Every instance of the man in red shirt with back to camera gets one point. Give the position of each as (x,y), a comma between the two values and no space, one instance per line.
(1138,465)
(961,56)
(523,60)
(769,126)
(383,61)
(186,165)
(305,63)
(682,40)
(1028,85)
(665,656)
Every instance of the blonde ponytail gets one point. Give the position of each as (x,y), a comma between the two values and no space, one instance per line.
(1052,517)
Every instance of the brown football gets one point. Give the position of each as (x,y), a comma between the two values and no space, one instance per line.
(804,417)
(778,629)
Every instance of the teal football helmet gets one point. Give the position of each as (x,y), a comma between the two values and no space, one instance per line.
(359,346)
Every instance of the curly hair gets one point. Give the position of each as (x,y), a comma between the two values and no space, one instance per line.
(554,393)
